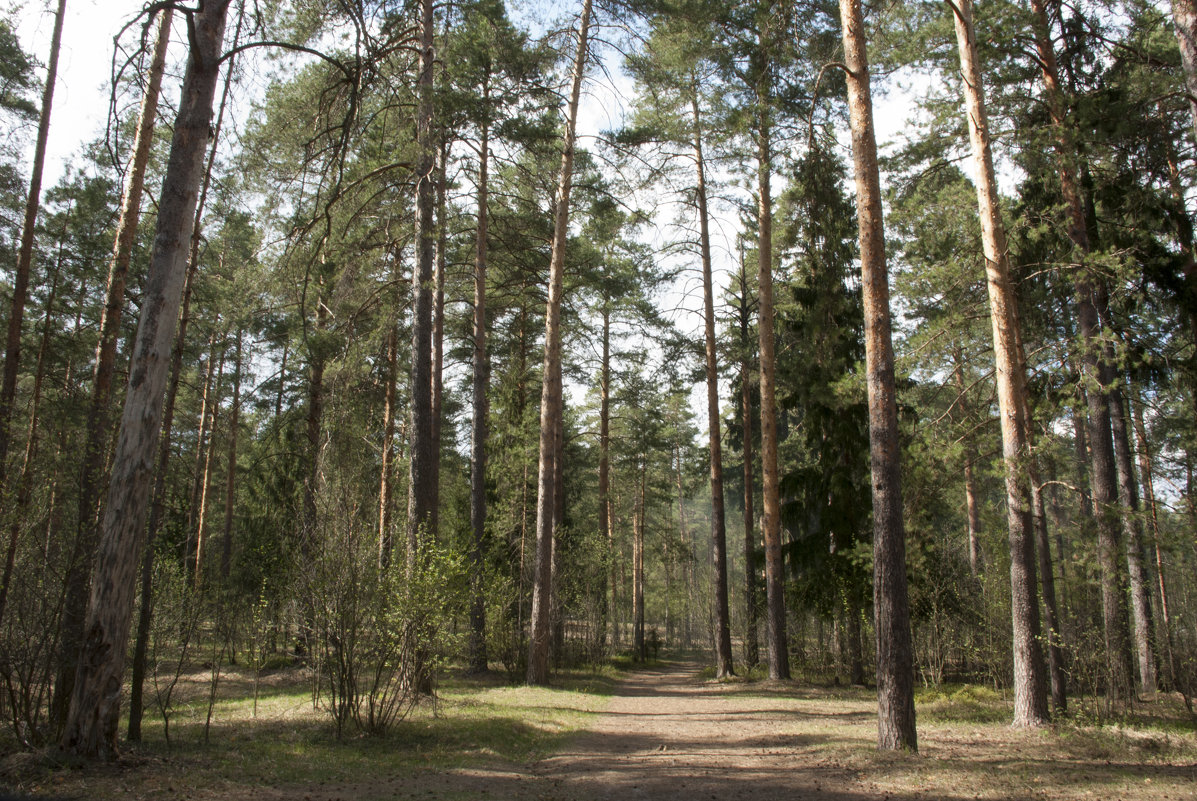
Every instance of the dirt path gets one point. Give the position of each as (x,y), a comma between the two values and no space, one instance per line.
(667,735)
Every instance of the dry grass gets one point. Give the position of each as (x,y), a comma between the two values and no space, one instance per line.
(485,739)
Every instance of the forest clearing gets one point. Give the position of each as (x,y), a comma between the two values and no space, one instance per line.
(664,731)
(580,400)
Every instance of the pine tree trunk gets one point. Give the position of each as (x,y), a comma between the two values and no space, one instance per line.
(550,401)
(1184,16)
(158,505)
(606,529)
(972,510)
(438,329)
(775,603)
(20,283)
(638,647)
(205,479)
(752,656)
(386,543)
(1149,499)
(1057,670)
(158,497)
(1030,680)
(1132,529)
(12,351)
(895,661)
(99,426)
(477,644)
(723,651)
(1101,448)
(91,729)
(230,488)
(25,479)
(421,498)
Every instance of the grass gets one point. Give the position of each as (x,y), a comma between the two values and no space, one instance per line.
(483,726)
(473,721)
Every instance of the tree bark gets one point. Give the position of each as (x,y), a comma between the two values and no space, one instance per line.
(775,604)
(230,487)
(95,703)
(438,328)
(550,401)
(606,529)
(477,645)
(751,614)
(895,661)
(1184,16)
(386,543)
(723,649)
(638,646)
(972,510)
(20,284)
(421,498)
(205,475)
(25,479)
(158,498)
(1149,500)
(99,426)
(1095,371)
(1132,529)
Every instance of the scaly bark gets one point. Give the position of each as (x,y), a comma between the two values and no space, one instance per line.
(230,487)
(752,654)
(386,543)
(25,478)
(481,424)
(1096,373)
(1132,530)
(775,604)
(550,399)
(158,497)
(91,729)
(421,488)
(20,282)
(723,649)
(1184,17)
(891,612)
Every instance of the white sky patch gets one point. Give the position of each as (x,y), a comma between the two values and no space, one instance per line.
(81,94)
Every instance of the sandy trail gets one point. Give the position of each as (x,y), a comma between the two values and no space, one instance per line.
(667,735)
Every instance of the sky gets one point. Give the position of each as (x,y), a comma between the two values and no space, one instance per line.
(81,107)
(85,65)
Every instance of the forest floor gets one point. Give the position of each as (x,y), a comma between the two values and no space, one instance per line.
(664,732)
